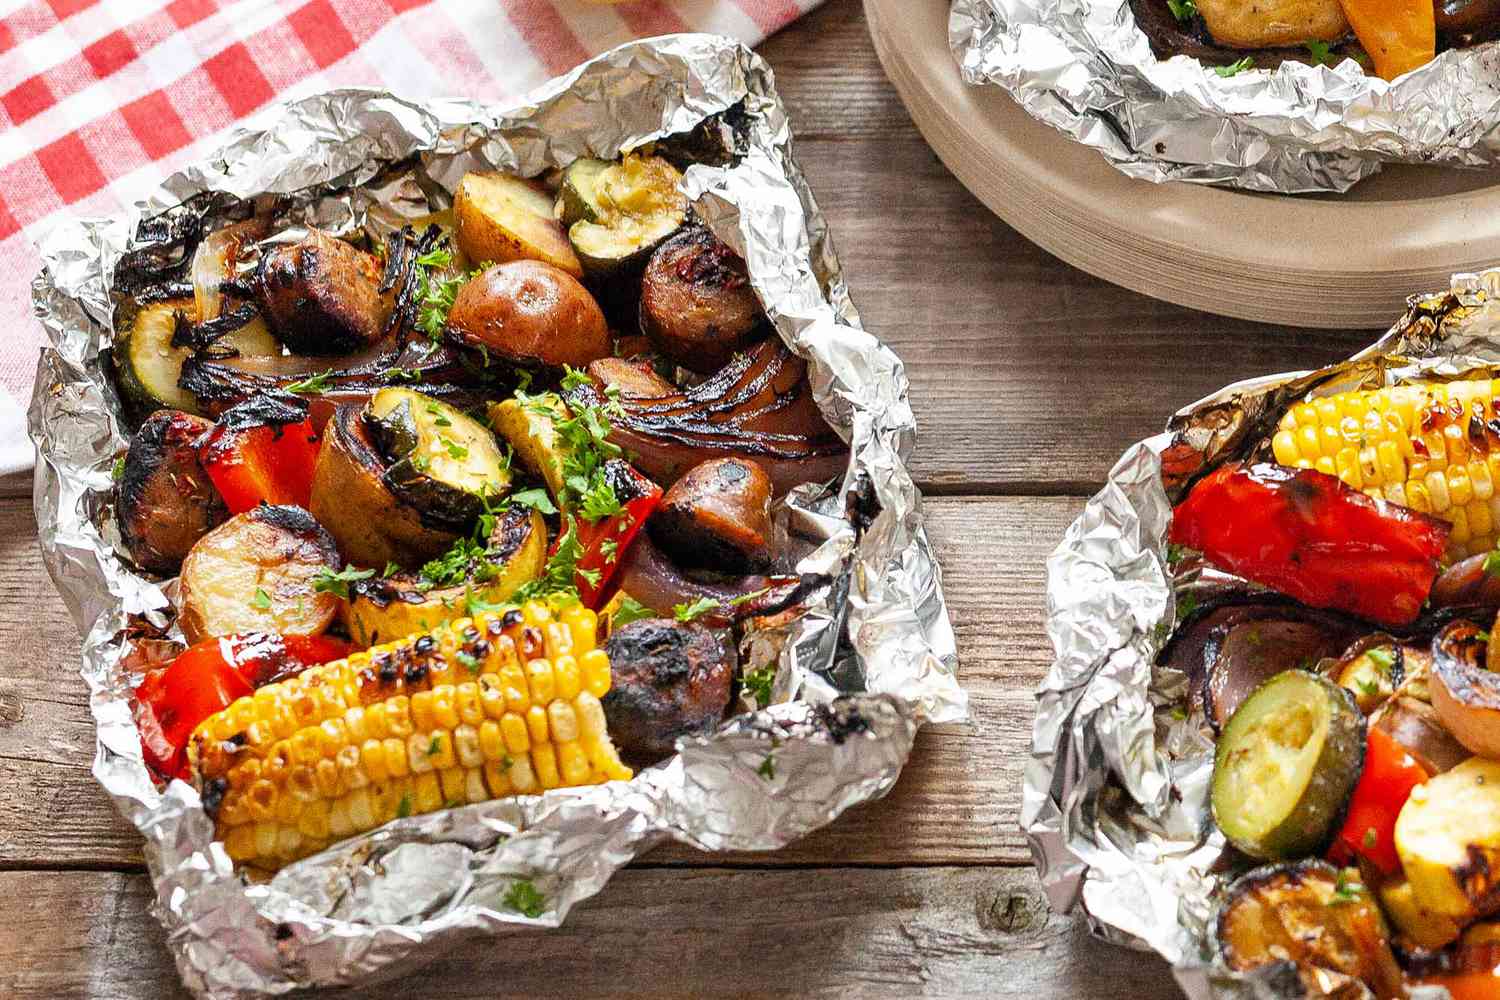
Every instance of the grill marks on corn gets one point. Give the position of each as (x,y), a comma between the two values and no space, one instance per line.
(502,704)
(1434,448)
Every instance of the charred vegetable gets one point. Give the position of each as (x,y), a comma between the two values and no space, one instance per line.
(322,295)
(697,305)
(1242,656)
(262,451)
(258,572)
(1448,837)
(717,516)
(164,500)
(466,579)
(622,212)
(529,313)
(1467,584)
(758,407)
(1371,671)
(530,428)
(149,355)
(1465,692)
(1416,927)
(1415,725)
(1286,764)
(1313,537)
(669,679)
(1314,915)
(501,218)
(652,579)
(1389,775)
(350,496)
(443,462)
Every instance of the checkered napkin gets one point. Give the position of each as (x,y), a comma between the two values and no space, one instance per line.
(101,99)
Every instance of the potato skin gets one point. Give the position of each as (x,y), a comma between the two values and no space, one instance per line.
(697,306)
(530,313)
(717,516)
(350,499)
(498,218)
(322,295)
(276,549)
(164,501)
(1277,22)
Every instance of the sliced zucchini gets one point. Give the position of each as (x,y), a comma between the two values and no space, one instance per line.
(1286,765)
(1448,839)
(148,364)
(393,607)
(531,429)
(1313,915)
(578,198)
(443,462)
(502,218)
(636,205)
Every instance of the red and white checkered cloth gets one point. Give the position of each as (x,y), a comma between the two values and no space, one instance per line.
(101,99)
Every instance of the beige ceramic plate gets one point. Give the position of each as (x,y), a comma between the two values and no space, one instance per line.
(1331,261)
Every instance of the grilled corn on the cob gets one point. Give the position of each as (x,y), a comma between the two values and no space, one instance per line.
(1434,448)
(501,704)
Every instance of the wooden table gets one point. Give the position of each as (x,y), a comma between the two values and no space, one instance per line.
(1028,379)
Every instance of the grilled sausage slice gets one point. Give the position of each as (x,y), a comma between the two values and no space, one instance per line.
(717,516)
(164,500)
(668,679)
(697,305)
(322,295)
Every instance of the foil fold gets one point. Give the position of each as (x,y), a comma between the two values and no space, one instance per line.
(1115,805)
(871,660)
(1085,68)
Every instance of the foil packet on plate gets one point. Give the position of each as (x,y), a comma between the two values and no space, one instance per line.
(870,660)
(1116,798)
(1086,68)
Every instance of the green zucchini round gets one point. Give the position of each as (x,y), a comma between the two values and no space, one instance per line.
(578,198)
(624,211)
(1286,764)
(149,365)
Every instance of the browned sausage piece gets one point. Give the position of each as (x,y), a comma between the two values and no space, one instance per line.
(164,500)
(321,295)
(717,516)
(697,305)
(531,313)
(668,679)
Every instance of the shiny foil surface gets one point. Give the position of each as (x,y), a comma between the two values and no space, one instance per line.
(871,660)
(1085,68)
(1115,804)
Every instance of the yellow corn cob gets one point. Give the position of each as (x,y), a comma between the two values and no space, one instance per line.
(1433,447)
(501,704)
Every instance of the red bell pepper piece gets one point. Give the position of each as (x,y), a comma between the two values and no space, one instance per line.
(207,677)
(603,543)
(1314,538)
(262,451)
(1369,829)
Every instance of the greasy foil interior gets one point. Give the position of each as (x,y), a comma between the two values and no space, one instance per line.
(871,660)
(1115,803)
(1085,68)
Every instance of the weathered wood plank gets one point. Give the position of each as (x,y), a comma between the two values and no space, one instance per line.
(946,932)
(956,803)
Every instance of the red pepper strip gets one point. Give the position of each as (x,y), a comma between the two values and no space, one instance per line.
(1314,538)
(265,463)
(1467,985)
(207,678)
(1369,830)
(604,543)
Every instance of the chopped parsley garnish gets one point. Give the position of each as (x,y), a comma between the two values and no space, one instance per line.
(1370,839)
(630,610)
(524,898)
(475,604)
(767,767)
(697,609)
(1235,68)
(1183,10)
(454,449)
(561,568)
(435,294)
(117,471)
(758,682)
(328,582)
(436,412)
(402,374)
(1383,659)
(1346,889)
(1186,605)
(536,499)
(404,809)
(1319,53)
(1367,687)
(391,569)
(1492,563)
(434,746)
(468,661)
(313,385)
(262,600)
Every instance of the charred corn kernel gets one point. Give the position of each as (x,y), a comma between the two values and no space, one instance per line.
(1434,450)
(362,744)
(595,667)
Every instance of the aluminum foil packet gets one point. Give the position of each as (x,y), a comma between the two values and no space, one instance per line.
(1116,798)
(1086,68)
(870,660)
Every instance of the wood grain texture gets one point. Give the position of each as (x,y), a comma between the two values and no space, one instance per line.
(955,804)
(949,932)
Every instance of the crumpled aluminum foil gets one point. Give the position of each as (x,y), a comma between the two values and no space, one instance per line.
(1115,803)
(1085,68)
(870,661)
